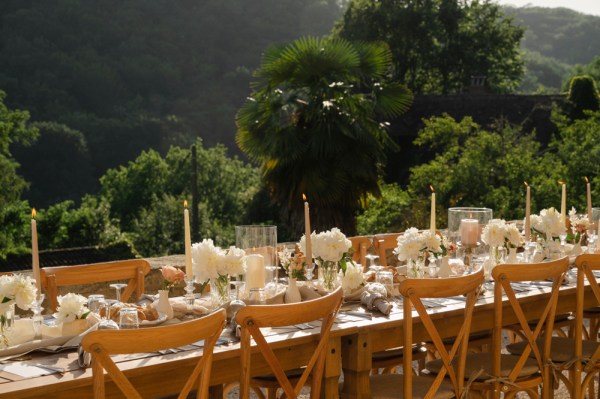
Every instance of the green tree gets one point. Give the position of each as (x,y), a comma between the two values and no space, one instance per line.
(312,123)
(583,96)
(438,45)
(14,128)
(477,167)
(388,214)
(577,147)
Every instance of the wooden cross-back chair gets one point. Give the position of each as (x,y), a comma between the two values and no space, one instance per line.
(104,343)
(496,373)
(252,318)
(133,270)
(361,245)
(574,354)
(383,243)
(451,360)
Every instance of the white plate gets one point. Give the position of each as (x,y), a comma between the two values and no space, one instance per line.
(161,319)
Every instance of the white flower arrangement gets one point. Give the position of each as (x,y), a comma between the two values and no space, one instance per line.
(18,290)
(414,244)
(330,246)
(498,233)
(548,224)
(209,261)
(70,308)
(353,278)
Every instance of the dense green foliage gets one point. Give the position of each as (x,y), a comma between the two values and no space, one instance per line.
(478,167)
(314,124)
(439,45)
(133,75)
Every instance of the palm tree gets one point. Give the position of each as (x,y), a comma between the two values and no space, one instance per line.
(313,124)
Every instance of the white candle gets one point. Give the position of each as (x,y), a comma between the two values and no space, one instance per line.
(563,204)
(307,231)
(187,241)
(469,231)
(35,254)
(255,271)
(589,200)
(432,221)
(528,214)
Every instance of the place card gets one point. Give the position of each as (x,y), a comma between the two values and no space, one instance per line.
(26,370)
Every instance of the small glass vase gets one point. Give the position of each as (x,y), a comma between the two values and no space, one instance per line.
(498,254)
(7,321)
(415,268)
(219,290)
(328,275)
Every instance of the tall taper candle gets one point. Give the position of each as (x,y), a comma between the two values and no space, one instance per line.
(187,241)
(307,230)
(432,221)
(589,200)
(528,214)
(563,204)
(35,254)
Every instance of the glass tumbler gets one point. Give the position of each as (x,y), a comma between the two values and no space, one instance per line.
(128,319)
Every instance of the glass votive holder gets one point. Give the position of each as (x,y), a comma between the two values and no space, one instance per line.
(458,214)
(95,302)
(257,296)
(128,318)
(387,279)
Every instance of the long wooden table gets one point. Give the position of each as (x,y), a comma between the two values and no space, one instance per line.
(351,345)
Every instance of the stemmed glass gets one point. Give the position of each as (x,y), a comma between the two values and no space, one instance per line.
(107,323)
(309,267)
(38,318)
(118,287)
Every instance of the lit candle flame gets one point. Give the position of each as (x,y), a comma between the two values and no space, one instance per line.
(304,197)
(185,204)
(562,182)
(33,213)
(526,185)
(431,188)
(586,179)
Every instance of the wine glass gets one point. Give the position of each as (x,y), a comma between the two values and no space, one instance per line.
(309,267)
(118,287)
(592,236)
(107,323)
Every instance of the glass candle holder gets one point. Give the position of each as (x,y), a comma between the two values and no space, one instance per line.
(478,216)
(260,241)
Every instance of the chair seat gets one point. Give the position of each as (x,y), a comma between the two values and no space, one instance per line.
(483,361)
(562,349)
(395,353)
(557,319)
(472,337)
(291,374)
(595,311)
(391,386)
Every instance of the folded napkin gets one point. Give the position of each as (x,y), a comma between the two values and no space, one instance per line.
(179,306)
(376,302)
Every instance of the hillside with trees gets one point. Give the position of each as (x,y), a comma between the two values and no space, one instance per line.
(555,41)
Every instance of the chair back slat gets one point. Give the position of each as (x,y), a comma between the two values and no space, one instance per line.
(133,270)
(104,343)
(384,242)
(413,290)
(361,245)
(252,318)
(503,276)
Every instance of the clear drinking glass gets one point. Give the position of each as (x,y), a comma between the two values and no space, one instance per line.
(95,302)
(387,279)
(128,319)
(257,296)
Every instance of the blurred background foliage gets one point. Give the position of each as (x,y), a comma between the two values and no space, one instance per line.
(100,102)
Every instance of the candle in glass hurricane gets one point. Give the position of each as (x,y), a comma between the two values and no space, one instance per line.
(255,271)
(469,231)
